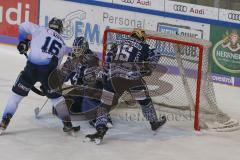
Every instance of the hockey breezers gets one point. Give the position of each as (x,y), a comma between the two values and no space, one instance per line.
(34,89)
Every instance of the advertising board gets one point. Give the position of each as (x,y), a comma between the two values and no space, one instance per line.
(146,4)
(12,13)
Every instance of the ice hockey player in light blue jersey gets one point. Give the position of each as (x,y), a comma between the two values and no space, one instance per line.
(47,51)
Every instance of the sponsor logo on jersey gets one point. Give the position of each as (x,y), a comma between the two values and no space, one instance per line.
(22,87)
(226,52)
(12,13)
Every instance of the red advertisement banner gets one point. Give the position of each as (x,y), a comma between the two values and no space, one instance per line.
(13,12)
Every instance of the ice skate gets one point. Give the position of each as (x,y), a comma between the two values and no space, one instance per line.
(156,125)
(5,122)
(98,136)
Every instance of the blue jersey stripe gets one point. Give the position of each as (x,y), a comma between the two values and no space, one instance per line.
(158,13)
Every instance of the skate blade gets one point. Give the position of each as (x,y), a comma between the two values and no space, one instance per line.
(95,141)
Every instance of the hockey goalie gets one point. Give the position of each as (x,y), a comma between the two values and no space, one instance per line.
(82,70)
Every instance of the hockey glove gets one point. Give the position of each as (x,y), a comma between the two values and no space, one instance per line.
(23,46)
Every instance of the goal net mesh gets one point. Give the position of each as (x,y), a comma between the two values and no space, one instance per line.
(177,87)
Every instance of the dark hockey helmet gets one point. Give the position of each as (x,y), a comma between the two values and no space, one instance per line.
(56,24)
(80,46)
(139,34)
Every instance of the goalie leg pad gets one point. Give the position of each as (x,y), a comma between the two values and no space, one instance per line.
(107,97)
(61,107)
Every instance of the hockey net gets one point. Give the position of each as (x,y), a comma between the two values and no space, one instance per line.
(187,84)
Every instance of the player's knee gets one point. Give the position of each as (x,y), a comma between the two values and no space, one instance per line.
(14,100)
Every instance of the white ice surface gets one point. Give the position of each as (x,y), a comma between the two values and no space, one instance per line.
(30,139)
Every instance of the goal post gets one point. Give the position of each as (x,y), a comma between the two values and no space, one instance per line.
(188,72)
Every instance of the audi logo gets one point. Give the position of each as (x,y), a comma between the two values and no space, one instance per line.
(180,8)
(234,16)
(128,1)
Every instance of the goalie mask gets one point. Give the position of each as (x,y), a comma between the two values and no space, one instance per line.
(80,46)
(56,24)
(138,34)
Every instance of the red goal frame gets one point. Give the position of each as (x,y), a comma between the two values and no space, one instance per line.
(199,74)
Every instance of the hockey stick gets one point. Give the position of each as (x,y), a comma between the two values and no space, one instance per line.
(39,109)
